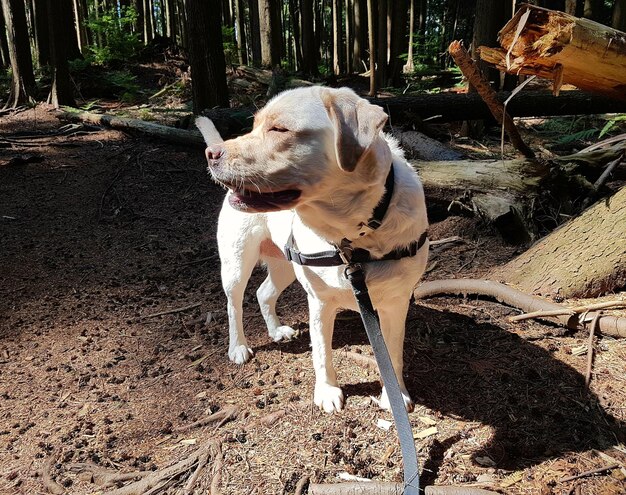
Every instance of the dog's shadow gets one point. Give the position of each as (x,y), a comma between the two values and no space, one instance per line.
(537,406)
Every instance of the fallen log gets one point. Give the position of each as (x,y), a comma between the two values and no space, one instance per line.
(558,46)
(169,134)
(608,325)
(585,257)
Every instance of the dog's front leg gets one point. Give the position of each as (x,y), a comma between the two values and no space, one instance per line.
(328,395)
(392,316)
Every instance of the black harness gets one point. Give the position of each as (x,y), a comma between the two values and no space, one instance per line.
(345,254)
(354,259)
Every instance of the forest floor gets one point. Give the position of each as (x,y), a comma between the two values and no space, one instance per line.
(100,232)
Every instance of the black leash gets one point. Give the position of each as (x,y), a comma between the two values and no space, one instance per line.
(356,276)
(354,272)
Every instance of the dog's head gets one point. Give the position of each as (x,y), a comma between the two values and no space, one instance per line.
(304,143)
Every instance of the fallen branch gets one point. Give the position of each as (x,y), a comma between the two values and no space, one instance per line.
(162,132)
(378,488)
(301,485)
(104,477)
(489,96)
(569,311)
(591,472)
(172,311)
(592,331)
(608,325)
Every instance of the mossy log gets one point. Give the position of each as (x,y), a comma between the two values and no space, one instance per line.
(558,46)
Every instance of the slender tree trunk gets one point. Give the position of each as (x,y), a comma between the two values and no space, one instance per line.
(226,13)
(349,20)
(206,54)
(4,46)
(22,77)
(255,32)
(309,51)
(294,14)
(618,20)
(61,91)
(319,31)
(382,46)
(81,25)
(398,40)
(240,32)
(270,56)
(421,26)
(138,26)
(593,9)
(372,46)
(41,32)
(337,38)
(278,46)
(359,34)
(182,23)
(170,19)
(409,66)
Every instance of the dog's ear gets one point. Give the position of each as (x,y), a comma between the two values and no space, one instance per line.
(357,124)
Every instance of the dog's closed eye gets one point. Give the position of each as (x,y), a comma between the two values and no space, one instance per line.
(277,128)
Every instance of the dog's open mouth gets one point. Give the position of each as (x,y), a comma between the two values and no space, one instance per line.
(246,200)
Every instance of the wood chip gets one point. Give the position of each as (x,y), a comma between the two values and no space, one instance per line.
(427,420)
(426,433)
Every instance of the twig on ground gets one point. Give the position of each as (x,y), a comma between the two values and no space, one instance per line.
(172,311)
(217,473)
(597,185)
(592,331)
(591,472)
(221,417)
(446,240)
(569,311)
(202,461)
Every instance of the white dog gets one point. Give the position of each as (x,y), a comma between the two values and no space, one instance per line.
(314,167)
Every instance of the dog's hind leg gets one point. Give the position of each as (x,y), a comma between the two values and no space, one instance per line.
(280,275)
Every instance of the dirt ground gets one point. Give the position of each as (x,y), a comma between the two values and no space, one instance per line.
(100,232)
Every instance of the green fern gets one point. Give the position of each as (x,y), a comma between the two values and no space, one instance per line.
(578,136)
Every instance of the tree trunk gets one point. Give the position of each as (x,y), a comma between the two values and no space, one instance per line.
(41,32)
(398,41)
(592,9)
(61,91)
(147,22)
(170,19)
(618,20)
(557,46)
(226,13)
(255,32)
(359,34)
(66,11)
(372,47)
(4,47)
(294,14)
(22,77)
(349,20)
(240,32)
(270,55)
(490,16)
(585,257)
(139,23)
(81,25)
(381,45)
(337,38)
(309,50)
(410,66)
(206,55)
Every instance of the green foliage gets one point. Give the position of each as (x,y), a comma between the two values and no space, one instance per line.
(612,124)
(230,45)
(583,135)
(114,29)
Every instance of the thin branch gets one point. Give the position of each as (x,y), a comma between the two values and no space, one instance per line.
(591,472)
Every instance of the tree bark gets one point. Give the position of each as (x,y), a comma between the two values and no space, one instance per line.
(410,66)
(349,35)
(81,25)
(206,55)
(270,53)
(4,47)
(372,47)
(359,34)
(66,11)
(240,32)
(585,257)
(294,14)
(618,20)
(22,77)
(381,44)
(148,30)
(337,38)
(40,31)
(398,40)
(170,19)
(561,47)
(226,13)
(255,32)
(61,90)
(309,50)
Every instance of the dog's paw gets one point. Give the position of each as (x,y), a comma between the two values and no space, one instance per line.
(240,354)
(328,398)
(384,401)
(283,333)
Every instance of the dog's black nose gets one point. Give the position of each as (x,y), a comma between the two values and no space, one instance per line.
(214,153)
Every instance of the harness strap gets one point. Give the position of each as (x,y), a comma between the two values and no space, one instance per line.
(348,255)
(356,276)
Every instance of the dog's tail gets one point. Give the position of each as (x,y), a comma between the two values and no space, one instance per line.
(208,130)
